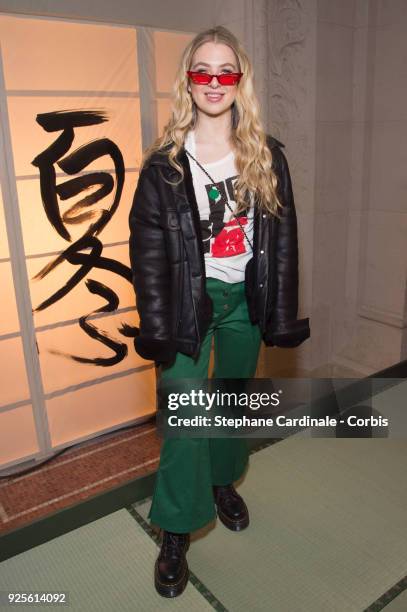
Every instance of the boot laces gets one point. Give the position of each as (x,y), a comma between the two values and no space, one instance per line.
(227,496)
(173,543)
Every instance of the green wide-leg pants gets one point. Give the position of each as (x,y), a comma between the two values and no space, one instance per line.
(183,496)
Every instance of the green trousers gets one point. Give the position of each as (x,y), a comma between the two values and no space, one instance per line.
(183,496)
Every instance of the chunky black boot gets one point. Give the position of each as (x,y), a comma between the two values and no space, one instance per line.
(231,507)
(171,571)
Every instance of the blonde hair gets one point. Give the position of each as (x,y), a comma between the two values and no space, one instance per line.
(253,158)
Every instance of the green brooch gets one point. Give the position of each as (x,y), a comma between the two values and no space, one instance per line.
(214,193)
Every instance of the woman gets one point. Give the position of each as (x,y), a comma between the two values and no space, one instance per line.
(213,249)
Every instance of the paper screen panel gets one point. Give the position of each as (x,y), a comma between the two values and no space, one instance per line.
(41,238)
(9,322)
(13,378)
(29,138)
(4,250)
(54,66)
(61,372)
(62,55)
(163,113)
(101,406)
(18,437)
(168,51)
(79,301)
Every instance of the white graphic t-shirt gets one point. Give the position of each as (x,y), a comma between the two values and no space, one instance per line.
(225,245)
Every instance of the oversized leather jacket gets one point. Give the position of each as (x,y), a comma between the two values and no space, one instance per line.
(167,261)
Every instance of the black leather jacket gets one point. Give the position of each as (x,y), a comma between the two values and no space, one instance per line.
(167,261)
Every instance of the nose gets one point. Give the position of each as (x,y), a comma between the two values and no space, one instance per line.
(214,83)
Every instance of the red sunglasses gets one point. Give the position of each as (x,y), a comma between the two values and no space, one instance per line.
(203,78)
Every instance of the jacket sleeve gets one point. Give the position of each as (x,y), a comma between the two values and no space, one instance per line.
(284,329)
(150,272)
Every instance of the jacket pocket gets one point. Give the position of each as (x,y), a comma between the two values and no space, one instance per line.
(170,220)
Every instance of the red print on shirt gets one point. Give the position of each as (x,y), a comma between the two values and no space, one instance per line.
(230,241)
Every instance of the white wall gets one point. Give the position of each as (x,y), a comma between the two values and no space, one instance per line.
(359,269)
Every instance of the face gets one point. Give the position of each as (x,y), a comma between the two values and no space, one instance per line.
(213,58)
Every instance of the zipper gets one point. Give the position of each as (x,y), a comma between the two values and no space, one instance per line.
(196,352)
(181,284)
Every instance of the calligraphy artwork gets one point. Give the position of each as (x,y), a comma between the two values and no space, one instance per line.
(83,212)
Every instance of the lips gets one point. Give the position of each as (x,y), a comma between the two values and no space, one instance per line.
(214,97)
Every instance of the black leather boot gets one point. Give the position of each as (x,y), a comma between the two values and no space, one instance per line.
(171,571)
(231,507)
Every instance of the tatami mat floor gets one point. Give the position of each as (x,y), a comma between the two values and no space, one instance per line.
(328,532)
(102,566)
(328,529)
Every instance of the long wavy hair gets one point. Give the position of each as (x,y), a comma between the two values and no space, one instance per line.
(253,158)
